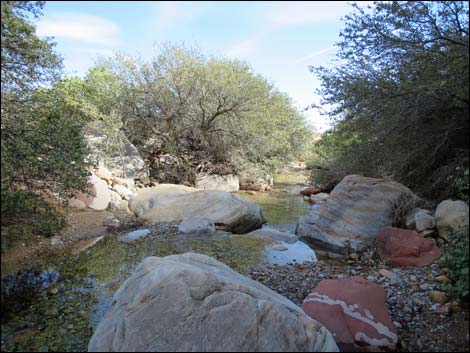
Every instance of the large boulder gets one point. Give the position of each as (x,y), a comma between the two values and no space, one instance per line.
(116,153)
(228,211)
(403,247)
(349,220)
(451,215)
(99,195)
(229,183)
(145,199)
(355,312)
(255,184)
(192,302)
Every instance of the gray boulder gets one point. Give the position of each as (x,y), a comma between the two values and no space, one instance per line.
(116,152)
(227,211)
(192,302)
(229,183)
(349,220)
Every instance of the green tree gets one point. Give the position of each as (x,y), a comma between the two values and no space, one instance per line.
(42,146)
(204,114)
(401,88)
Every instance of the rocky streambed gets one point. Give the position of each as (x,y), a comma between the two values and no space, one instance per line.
(61,312)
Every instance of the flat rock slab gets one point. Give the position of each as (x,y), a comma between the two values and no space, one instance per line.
(355,312)
(192,302)
(227,211)
(136,234)
(403,247)
(349,220)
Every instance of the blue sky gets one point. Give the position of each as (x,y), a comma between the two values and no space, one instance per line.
(278,39)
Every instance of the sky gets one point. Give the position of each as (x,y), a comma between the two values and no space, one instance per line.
(279,40)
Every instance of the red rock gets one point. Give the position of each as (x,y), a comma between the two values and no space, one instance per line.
(310,191)
(355,312)
(403,247)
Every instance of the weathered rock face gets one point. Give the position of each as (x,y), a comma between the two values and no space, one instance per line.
(403,247)
(124,160)
(358,207)
(355,312)
(192,302)
(228,183)
(228,211)
(195,227)
(274,235)
(99,197)
(451,215)
(420,220)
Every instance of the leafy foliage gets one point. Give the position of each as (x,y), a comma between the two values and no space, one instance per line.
(42,147)
(456,258)
(401,93)
(190,114)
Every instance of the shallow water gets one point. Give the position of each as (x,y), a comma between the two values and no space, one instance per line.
(64,316)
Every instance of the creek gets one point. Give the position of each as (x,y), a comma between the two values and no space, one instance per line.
(63,316)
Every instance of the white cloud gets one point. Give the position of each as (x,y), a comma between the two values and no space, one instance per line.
(80,27)
(177,13)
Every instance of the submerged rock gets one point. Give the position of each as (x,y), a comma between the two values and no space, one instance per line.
(192,302)
(358,207)
(273,234)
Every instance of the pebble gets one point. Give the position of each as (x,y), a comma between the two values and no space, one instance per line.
(438,297)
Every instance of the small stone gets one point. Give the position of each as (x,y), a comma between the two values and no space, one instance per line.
(54,290)
(354,256)
(438,297)
(455,307)
(442,309)
(280,248)
(442,279)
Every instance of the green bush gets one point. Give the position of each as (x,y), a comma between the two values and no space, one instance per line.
(25,213)
(456,255)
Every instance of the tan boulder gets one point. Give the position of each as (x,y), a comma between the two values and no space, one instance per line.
(192,302)
(451,215)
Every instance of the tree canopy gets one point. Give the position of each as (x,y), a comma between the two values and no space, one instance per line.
(400,94)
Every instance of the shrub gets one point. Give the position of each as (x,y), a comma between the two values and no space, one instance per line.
(456,258)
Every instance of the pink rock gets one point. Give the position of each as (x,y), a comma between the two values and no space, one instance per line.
(355,312)
(403,247)
(99,197)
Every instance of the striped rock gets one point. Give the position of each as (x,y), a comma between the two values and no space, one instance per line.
(354,311)
(349,220)
(193,303)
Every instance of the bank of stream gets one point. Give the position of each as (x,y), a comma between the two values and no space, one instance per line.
(63,314)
